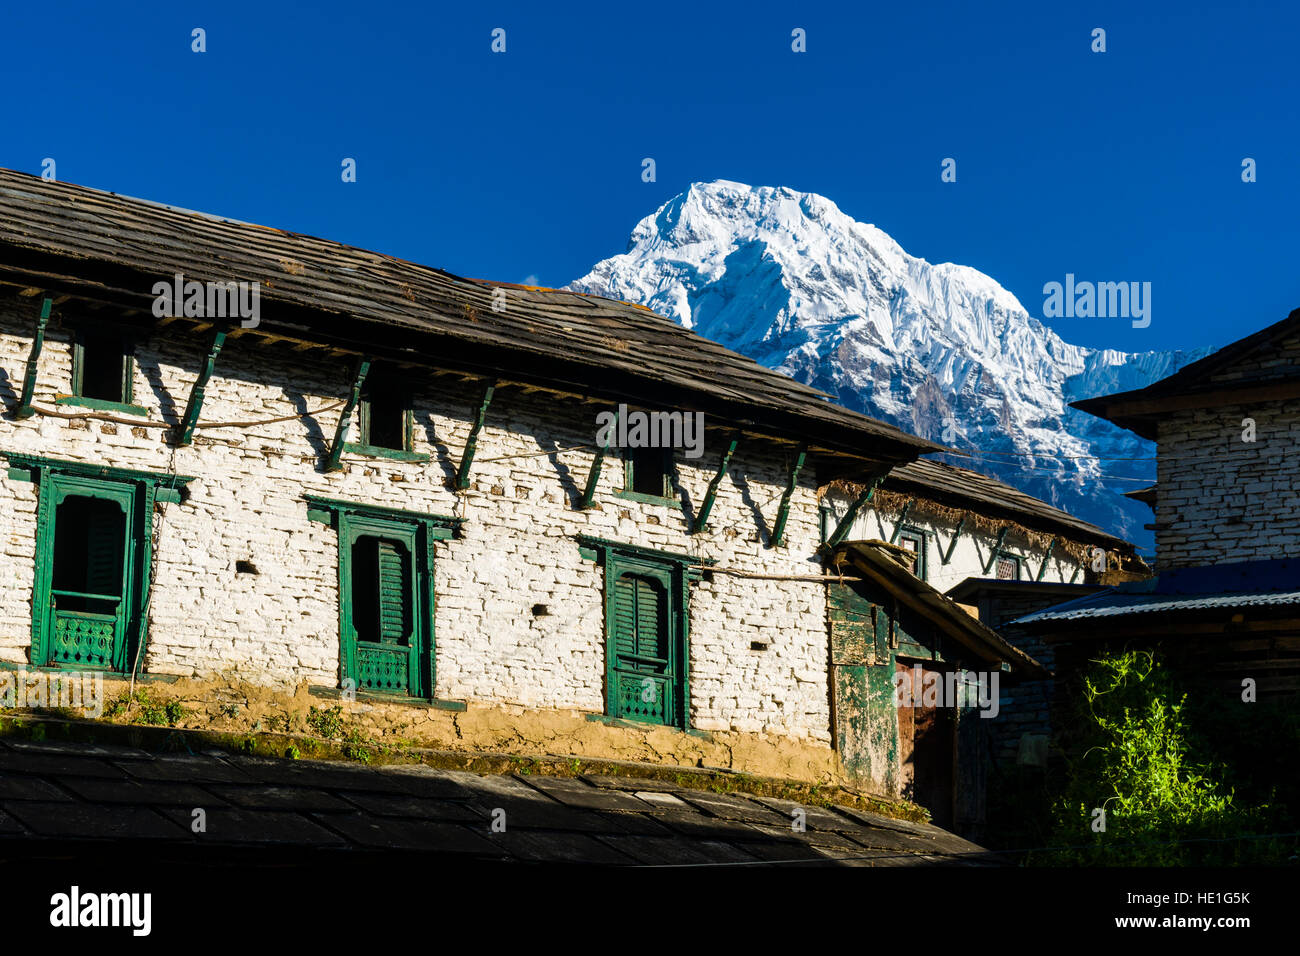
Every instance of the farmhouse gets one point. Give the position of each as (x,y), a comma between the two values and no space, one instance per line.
(393,492)
(1225,602)
(995,553)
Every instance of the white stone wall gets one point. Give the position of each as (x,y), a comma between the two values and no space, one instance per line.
(518,547)
(969,555)
(1222,499)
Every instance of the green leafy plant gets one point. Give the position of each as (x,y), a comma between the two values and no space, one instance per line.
(1131,753)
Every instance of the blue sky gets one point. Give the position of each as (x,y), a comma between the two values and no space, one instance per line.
(1115,166)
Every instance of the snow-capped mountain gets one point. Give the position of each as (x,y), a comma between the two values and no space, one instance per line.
(942,351)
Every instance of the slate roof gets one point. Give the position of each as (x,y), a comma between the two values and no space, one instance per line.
(1137,409)
(73,799)
(84,241)
(963,488)
(1221,587)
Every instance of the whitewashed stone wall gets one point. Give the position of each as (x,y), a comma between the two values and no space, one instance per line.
(518,549)
(1221,499)
(970,554)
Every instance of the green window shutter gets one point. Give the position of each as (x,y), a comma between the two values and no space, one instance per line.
(640,625)
(623,624)
(651,622)
(104,552)
(394,593)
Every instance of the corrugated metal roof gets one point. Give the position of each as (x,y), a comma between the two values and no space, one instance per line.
(1223,586)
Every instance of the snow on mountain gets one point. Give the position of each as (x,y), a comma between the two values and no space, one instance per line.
(942,351)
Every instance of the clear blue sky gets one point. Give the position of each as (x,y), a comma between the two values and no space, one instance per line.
(1117,166)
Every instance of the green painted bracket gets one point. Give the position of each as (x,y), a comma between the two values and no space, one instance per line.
(711,495)
(993,553)
(471,445)
(902,517)
(1042,568)
(952,545)
(24,409)
(197,393)
(593,479)
(842,529)
(783,512)
(345,417)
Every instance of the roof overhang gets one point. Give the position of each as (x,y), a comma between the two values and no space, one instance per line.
(1142,410)
(874,561)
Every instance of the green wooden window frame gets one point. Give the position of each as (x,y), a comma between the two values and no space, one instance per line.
(1006,556)
(107,631)
(647,632)
(386,595)
(666,466)
(918,537)
(397,395)
(124,396)
(367,443)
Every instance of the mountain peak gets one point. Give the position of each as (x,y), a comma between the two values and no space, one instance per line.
(943,351)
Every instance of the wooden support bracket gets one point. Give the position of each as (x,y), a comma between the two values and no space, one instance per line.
(24,409)
(471,444)
(1042,568)
(902,518)
(993,552)
(711,495)
(783,513)
(593,479)
(345,416)
(842,529)
(952,545)
(195,404)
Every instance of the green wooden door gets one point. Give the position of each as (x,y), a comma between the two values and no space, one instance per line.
(86,556)
(383,594)
(643,637)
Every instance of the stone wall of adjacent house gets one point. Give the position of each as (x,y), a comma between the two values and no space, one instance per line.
(517,549)
(1025,705)
(1222,499)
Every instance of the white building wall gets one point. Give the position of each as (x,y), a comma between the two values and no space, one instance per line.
(280,626)
(969,555)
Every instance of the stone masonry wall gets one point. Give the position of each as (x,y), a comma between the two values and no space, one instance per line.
(281,625)
(1221,499)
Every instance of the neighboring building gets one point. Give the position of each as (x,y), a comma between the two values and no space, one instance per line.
(390,479)
(963,524)
(999,553)
(1225,603)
